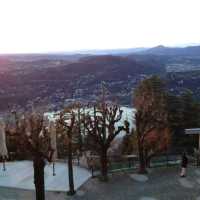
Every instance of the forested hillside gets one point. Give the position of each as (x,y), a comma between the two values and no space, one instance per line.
(54,80)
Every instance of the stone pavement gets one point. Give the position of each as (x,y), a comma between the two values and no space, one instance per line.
(16,194)
(160,184)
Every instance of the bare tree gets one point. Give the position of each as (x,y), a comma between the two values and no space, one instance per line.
(67,124)
(34,137)
(101,130)
(3,147)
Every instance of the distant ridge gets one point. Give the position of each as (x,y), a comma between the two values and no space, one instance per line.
(109,51)
(173,51)
(185,50)
(189,50)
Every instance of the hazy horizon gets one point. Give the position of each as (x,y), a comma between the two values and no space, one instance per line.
(103,50)
(43,26)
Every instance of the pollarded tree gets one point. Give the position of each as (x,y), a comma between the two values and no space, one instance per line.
(3,147)
(150,118)
(129,143)
(32,132)
(68,128)
(101,129)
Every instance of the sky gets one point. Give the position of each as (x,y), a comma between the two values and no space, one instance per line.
(31,26)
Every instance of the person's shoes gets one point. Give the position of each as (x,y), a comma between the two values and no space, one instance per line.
(182,176)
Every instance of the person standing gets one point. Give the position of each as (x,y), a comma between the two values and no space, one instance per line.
(184,165)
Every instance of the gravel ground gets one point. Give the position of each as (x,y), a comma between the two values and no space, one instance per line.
(161,184)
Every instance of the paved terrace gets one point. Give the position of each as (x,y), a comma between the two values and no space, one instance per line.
(161,184)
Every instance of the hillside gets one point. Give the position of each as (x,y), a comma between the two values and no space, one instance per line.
(53,83)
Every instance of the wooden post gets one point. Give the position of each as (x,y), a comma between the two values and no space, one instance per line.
(54,172)
(92,171)
(4,165)
(199,141)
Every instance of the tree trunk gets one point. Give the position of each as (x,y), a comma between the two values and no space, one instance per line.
(38,165)
(147,159)
(70,170)
(142,167)
(104,165)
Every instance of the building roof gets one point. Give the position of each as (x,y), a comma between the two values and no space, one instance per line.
(192,131)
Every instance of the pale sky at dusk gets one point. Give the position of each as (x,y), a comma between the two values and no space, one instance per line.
(65,25)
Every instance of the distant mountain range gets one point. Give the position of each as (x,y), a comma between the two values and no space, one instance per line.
(158,50)
(111,51)
(173,51)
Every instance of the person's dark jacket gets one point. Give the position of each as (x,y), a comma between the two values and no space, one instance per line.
(184,161)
